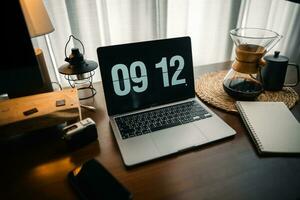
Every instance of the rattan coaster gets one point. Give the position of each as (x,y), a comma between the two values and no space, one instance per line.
(209,87)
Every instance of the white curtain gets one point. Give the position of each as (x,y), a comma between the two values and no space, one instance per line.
(281,16)
(208,22)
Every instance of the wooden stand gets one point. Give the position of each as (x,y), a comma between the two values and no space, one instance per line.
(25,114)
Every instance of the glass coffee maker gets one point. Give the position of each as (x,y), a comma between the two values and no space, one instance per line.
(243,80)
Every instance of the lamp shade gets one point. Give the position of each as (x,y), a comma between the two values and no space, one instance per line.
(36,16)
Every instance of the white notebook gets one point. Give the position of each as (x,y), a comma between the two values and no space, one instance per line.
(272,126)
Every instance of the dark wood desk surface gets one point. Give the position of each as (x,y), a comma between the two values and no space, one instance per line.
(36,167)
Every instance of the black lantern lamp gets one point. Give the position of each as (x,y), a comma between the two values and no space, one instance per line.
(78,71)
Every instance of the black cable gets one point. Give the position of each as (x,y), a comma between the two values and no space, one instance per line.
(60,88)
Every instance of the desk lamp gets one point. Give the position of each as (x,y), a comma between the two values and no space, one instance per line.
(78,71)
(38,24)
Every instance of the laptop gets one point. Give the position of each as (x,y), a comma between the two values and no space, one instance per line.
(150,99)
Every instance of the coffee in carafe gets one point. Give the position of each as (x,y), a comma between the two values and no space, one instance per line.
(242,88)
(242,82)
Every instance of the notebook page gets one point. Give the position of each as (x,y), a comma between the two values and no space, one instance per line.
(274,125)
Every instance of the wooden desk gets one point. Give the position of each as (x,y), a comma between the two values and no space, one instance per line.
(37,167)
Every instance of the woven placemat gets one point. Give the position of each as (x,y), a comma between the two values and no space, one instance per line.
(209,87)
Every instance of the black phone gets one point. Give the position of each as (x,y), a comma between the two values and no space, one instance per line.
(92,181)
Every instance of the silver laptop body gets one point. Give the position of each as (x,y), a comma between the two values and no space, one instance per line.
(151,144)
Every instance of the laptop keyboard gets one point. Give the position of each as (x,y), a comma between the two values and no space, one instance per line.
(162,118)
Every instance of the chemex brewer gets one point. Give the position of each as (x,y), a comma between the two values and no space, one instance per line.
(242,81)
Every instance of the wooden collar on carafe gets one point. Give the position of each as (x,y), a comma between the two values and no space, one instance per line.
(247,67)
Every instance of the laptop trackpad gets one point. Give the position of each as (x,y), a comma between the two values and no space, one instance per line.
(177,138)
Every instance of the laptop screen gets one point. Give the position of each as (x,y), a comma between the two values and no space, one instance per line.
(145,74)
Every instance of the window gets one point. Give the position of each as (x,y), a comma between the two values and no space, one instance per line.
(208,22)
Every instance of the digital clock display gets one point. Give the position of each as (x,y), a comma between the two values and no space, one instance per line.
(145,74)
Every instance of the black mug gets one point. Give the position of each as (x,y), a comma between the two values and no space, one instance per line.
(273,74)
